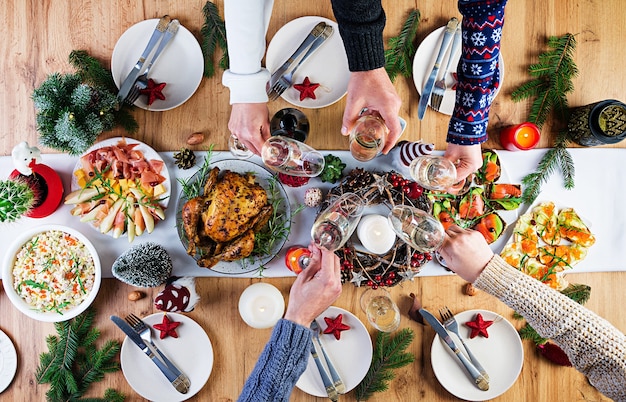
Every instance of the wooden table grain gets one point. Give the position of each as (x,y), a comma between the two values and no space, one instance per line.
(38,37)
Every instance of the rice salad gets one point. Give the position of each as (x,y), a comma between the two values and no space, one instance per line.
(53,271)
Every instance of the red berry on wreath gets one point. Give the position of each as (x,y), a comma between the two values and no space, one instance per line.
(292,181)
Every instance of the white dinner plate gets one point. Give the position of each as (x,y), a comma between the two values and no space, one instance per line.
(180,66)
(351,355)
(424,61)
(8,361)
(191,352)
(328,66)
(501,355)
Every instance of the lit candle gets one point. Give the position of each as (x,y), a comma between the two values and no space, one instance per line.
(375,234)
(520,137)
(261,305)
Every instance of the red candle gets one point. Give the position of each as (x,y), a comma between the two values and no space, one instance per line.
(520,137)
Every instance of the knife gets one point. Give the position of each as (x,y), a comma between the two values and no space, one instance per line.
(172,28)
(177,381)
(132,76)
(430,83)
(337,381)
(480,381)
(331,391)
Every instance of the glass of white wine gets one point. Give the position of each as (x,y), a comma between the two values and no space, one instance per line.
(417,228)
(238,149)
(292,157)
(433,172)
(380,309)
(334,226)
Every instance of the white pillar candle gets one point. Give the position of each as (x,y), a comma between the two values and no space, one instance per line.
(261,305)
(375,234)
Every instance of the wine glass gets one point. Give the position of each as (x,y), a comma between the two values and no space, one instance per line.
(367,137)
(380,309)
(334,226)
(433,172)
(417,228)
(237,148)
(286,155)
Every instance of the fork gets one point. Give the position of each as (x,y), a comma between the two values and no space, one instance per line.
(337,382)
(286,80)
(142,81)
(451,325)
(439,89)
(181,383)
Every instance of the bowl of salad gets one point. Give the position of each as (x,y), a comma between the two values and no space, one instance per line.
(51,273)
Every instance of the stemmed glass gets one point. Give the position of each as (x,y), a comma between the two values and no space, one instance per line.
(433,172)
(292,157)
(417,228)
(237,148)
(380,309)
(334,226)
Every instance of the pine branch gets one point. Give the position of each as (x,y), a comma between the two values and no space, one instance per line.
(389,353)
(399,57)
(213,35)
(528,332)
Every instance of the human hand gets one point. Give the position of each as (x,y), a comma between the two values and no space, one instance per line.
(315,288)
(467,158)
(373,90)
(250,123)
(466,252)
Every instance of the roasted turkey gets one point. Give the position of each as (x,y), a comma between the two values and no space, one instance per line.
(220,225)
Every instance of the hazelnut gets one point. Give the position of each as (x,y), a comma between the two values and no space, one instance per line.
(135,295)
(469,289)
(195,139)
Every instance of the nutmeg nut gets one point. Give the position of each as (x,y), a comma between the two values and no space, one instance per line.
(195,139)
(136,295)
(469,289)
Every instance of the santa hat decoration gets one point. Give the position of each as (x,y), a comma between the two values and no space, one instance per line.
(411,150)
(179,295)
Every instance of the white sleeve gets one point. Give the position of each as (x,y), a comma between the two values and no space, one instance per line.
(246,26)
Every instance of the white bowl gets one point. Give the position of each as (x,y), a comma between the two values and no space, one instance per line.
(20,303)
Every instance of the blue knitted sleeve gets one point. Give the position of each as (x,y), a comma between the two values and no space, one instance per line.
(279,366)
(478,72)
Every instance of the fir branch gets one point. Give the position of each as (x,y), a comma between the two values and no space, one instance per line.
(529,333)
(389,353)
(213,35)
(399,57)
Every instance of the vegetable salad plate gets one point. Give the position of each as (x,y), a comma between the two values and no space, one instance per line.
(351,354)
(281,217)
(192,352)
(501,354)
(180,66)
(8,361)
(424,61)
(124,170)
(328,66)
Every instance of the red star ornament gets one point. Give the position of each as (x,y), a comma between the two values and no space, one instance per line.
(167,327)
(154,91)
(335,326)
(307,89)
(479,326)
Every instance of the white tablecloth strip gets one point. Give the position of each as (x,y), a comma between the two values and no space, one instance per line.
(598,196)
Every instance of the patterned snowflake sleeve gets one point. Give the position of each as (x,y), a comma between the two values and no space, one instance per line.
(478,72)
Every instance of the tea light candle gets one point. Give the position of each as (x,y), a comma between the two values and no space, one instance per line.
(261,305)
(520,137)
(375,234)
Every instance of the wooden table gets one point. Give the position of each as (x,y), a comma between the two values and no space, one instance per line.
(39,35)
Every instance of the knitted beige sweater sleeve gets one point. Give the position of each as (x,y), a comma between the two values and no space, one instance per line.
(594,346)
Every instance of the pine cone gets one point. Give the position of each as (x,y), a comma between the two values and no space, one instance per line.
(185,159)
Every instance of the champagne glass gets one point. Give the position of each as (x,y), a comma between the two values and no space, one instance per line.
(334,226)
(380,309)
(367,137)
(237,148)
(286,155)
(433,172)
(417,228)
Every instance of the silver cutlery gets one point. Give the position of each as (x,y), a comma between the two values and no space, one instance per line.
(310,38)
(286,80)
(430,83)
(141,82)
(440,86)
(173,378)
(129,81)
(331,391)
(337,381)
(450,324)
(143,330)
(481,382)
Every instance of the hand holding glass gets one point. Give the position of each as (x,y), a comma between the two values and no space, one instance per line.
(433,172)
(367,137)
(334,226)
(381,311)
(417,228)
